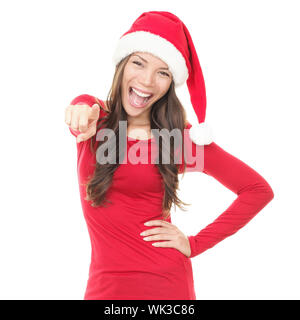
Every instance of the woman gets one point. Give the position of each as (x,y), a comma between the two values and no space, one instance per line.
(132,260)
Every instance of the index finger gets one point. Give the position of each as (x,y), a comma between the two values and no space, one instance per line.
(157,223)
(94,112)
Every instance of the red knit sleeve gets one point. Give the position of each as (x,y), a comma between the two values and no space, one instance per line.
(252,190)
(83,99)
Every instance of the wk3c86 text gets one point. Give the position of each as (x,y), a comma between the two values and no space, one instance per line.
(150,309)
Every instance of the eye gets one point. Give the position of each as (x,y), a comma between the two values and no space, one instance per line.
(166,74)
(137,62)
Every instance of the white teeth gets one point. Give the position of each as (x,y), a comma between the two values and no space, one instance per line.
(141,94)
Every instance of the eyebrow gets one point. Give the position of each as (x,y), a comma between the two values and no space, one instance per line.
(147,61)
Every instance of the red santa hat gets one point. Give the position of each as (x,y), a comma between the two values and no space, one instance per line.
(165,36)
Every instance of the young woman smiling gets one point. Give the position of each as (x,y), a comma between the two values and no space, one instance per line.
(124,201)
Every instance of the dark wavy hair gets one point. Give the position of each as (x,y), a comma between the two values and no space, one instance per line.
(168,113)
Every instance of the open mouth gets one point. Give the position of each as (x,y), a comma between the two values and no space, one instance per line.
(136,100)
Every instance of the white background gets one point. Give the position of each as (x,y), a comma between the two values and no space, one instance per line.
(52,51)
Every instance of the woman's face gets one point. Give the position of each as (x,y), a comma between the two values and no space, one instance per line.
(147,74)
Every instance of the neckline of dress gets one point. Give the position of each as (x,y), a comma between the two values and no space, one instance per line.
(139,140)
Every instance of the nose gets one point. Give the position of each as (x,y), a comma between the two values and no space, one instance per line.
(147,79)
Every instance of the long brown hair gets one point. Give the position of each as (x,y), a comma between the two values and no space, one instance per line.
(167,113)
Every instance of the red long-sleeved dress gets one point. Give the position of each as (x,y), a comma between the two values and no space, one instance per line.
(124,266)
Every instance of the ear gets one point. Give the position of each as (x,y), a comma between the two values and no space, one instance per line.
(201,133)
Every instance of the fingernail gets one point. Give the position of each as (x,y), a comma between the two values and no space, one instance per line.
(146,223)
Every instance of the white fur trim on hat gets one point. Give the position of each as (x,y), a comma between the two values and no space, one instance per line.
(145,41)
(201,134)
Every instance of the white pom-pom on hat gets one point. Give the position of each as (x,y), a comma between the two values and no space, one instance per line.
(201,133)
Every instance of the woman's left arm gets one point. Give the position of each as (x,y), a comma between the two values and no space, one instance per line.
(253,194)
